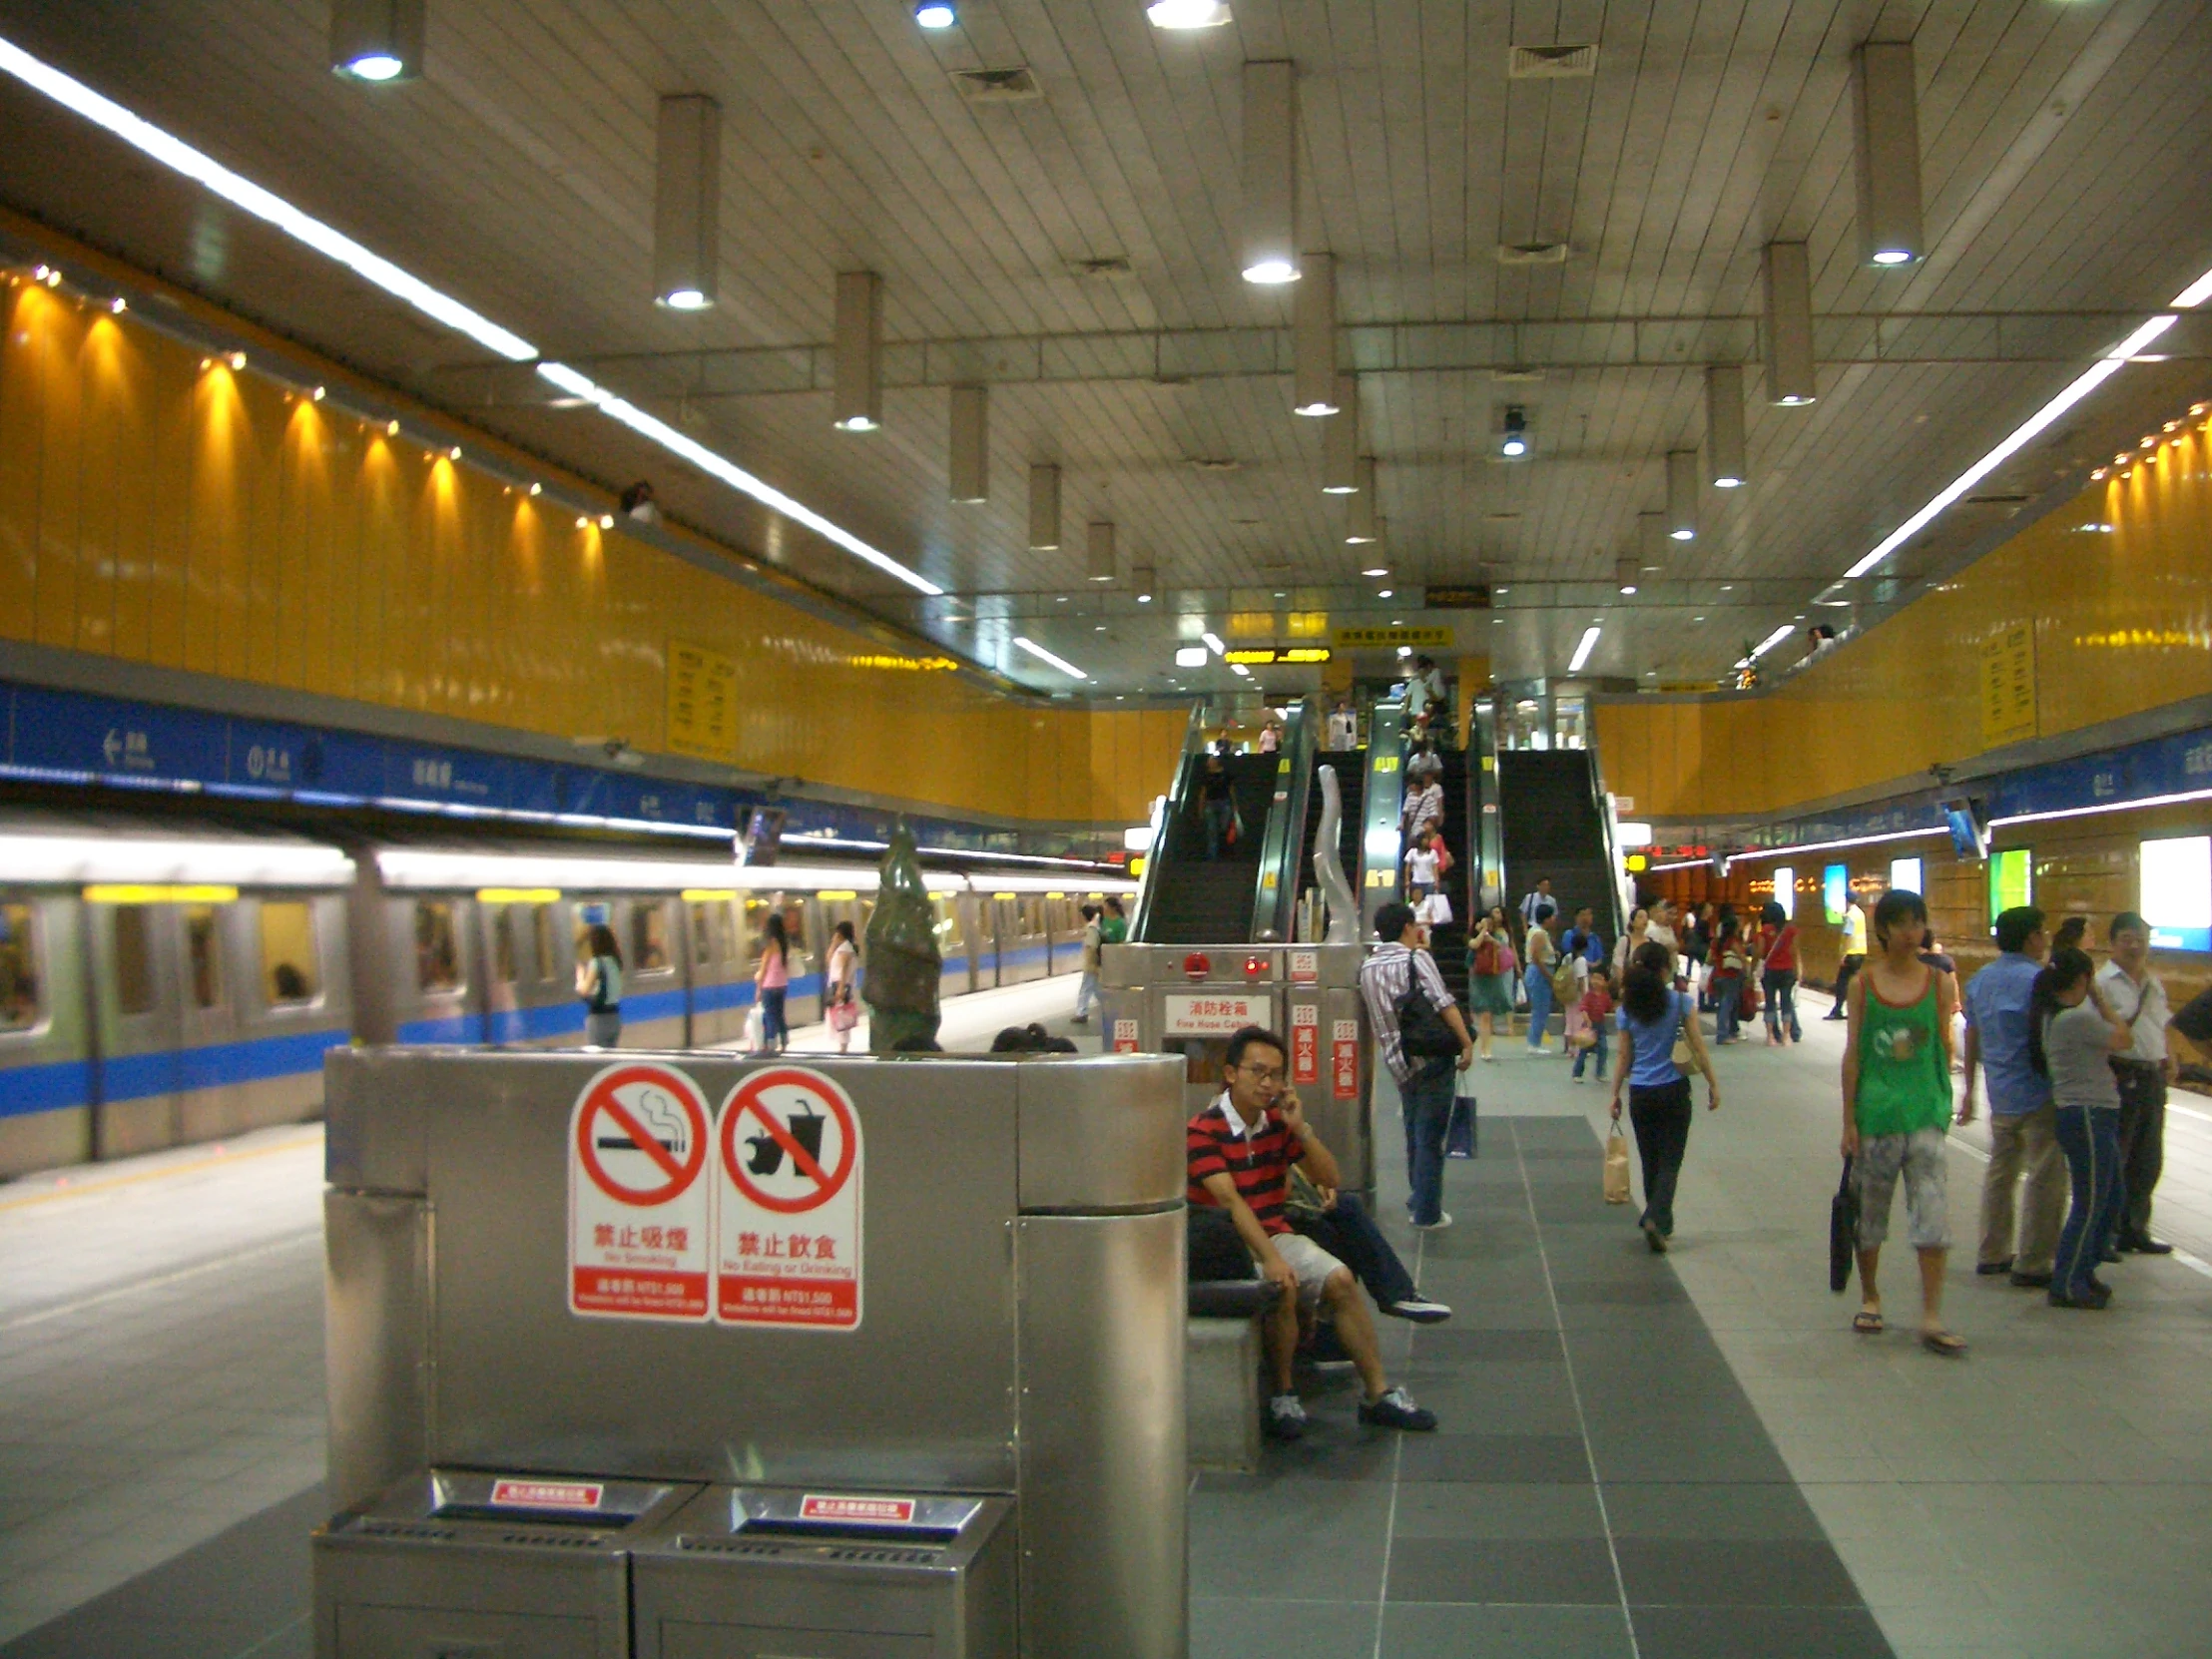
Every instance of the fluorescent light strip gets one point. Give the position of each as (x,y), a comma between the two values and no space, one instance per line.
(1212,643)
(173,153)
(1043,656)
(2024,434)
(676,443)
(2105,806)
(240,192)
(1829,846)
(1582,650)
(1772,640)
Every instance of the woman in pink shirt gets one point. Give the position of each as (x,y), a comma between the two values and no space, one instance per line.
(770,979)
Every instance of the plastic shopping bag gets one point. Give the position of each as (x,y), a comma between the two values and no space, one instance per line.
(1463,1131)
(756,1028)
(1616,1168)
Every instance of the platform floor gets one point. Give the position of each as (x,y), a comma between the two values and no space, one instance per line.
(1640,1455)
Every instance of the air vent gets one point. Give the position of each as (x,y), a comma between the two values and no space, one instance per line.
(1215,463)
(1110,269)
(1551,63)
(1516,374)
(420,1530)
(1532,253)
(1994,501)
(997,86)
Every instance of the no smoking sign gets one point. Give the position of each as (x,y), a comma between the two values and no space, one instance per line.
(640,1216)
(789,1169)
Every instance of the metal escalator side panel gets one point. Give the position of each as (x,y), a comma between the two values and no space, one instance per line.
(1170,815)
(1613,916)
(1274,889)
(1484,810)
(1382,803)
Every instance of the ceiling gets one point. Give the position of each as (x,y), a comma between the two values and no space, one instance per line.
(2068,150)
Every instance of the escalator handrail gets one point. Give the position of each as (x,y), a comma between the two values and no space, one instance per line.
(1167,817)
(1382,809)
(1613,922)
(1275,887)
(1485,810)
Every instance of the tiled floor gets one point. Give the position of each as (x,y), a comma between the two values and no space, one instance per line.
(1640,1456)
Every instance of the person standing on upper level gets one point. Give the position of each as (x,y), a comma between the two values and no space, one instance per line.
(2138,996)
(2019,1229)
(1897,1110)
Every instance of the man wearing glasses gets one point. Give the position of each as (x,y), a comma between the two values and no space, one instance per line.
(1240,1152)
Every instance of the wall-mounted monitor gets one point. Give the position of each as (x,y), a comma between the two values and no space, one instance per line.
(1785,889)
(1904,873)
(2011,880)
(1969,827)
(763,837)
(1836,893)
(2177,889)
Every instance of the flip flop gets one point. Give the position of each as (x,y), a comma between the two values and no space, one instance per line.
(1866,1324)
(1943,1343)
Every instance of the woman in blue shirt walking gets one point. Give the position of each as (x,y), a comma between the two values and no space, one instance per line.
(1652,1012)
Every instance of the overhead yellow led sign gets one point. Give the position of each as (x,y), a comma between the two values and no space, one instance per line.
(517,895)
(1386,639)
(1260,655)
(113,893)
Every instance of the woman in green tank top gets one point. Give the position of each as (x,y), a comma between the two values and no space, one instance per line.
(1898,1106)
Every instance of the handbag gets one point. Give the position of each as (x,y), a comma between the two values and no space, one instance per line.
(1616,1168)
(845,1012)
(1462,1131)
(1485,958)
(1843,1230)
(1683,1056)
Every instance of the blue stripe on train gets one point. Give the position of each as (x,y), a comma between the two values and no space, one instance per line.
(560,1019)
(125,1077)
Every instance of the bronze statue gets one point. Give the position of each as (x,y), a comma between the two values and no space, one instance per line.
(905,965)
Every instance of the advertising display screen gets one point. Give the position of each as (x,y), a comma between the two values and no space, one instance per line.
(2010,879)
(1785,889)
(1835,892)
(1905,873)
(2177,889)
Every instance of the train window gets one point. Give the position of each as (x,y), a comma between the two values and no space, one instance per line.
(703,934)
(541,929)
(437,949)
(503,944)
(950,943)
(203,954)
(648,938)
(19,984)
(288,961)
(134,959)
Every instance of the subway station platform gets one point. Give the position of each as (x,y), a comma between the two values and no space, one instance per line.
(1639,1455)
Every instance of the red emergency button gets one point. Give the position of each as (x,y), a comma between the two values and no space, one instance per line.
(1254,966)
(1197,965)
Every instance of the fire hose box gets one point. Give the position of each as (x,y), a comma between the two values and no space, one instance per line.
(752,1572)
(452,1562)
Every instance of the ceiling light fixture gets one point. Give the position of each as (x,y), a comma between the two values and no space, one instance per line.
(1382,593)
(1340,441)
(1360,526)
(859,353)
(1212,643)
(1885,126)
(1240,669)
(1376,570)
(1270,173)
(937,14)
(1625,572)
(1044,508)
(1098,553)
(687,200)
(1043,656)
(1313,339)
(1682,494)
(970,444)
(1724,425)
(1787,277)
(1769,643)
(1189,656)
(1582,650)
(2021,435)
(1145,580)
(1187,14)
(1516,444)
(376,40)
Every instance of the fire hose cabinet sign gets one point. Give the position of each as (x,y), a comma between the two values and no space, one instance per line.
(788,1173)
(640,1196)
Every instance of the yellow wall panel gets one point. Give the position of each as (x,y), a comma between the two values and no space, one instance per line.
(21,450)
(61,477)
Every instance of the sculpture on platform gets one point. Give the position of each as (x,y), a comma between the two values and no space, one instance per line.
(905,965)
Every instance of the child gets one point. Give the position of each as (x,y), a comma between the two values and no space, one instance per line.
(1593,1014)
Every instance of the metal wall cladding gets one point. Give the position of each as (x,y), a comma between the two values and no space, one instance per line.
(2114,585)
(377,1323)
(202,518)
(1092,1141)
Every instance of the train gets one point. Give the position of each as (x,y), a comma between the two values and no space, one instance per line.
(164,983)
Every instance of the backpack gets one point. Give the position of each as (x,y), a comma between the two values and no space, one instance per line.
(1421,1031)
(1562,981)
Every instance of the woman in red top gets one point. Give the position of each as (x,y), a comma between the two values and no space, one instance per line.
(1778,936)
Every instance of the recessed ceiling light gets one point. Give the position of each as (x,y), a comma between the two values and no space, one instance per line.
(1384,594)
(1187,14)
(937,14)
(1374,570)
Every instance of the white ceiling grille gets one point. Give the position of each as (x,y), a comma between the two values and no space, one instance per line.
(1551,63)
(1532,253)
(997,86)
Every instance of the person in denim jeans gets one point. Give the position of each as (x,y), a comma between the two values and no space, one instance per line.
(1778,940)
(1539,956)
(1424,1082)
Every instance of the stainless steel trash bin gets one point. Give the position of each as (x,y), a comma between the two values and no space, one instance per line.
(750,1573)
(450,1562)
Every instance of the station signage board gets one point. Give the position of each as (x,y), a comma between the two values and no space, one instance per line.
(639,1217)
(788,1233)
(1305,1043)
(1213,1013)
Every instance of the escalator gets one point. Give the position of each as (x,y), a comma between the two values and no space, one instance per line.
(1552,819)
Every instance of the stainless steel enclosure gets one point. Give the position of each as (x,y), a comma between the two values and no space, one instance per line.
(1022,1332)
(1187,999)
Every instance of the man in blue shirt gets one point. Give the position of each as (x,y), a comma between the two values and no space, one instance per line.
(2020,1241)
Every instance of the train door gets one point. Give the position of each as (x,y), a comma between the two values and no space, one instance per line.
(436,936)
(503,952)
(652,988)
(802,1003)
(47,1118)
(139,989)
(217,961)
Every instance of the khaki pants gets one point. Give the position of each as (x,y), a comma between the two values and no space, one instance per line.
(2023,1146)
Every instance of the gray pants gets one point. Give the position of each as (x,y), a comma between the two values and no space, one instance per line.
(2023,1146)
(603,1030)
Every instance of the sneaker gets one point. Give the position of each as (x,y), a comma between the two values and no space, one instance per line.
(1395,1409)
(2088,1298)
(1443,1220)
(2147,1247)
(1576,1078)
(1417,1308)
(1654,1237)
(1987,1269)
(1079,1020)
(1286,1419)
(2031,1281)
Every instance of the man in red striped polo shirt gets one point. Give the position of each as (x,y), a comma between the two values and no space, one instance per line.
(1239,1151)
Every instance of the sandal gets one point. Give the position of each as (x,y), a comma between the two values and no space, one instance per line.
(1942,1342)
(1867,1324)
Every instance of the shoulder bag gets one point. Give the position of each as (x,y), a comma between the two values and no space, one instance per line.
(1421,1031)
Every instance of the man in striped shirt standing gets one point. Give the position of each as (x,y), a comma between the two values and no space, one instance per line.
(1424,1079)
(1240,1152)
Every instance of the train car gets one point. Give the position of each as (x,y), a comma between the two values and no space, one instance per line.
(163,984)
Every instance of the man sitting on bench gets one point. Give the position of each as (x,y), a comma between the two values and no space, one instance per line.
(1241,1150)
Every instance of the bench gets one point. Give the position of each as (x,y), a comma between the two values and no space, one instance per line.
(1222,1351)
